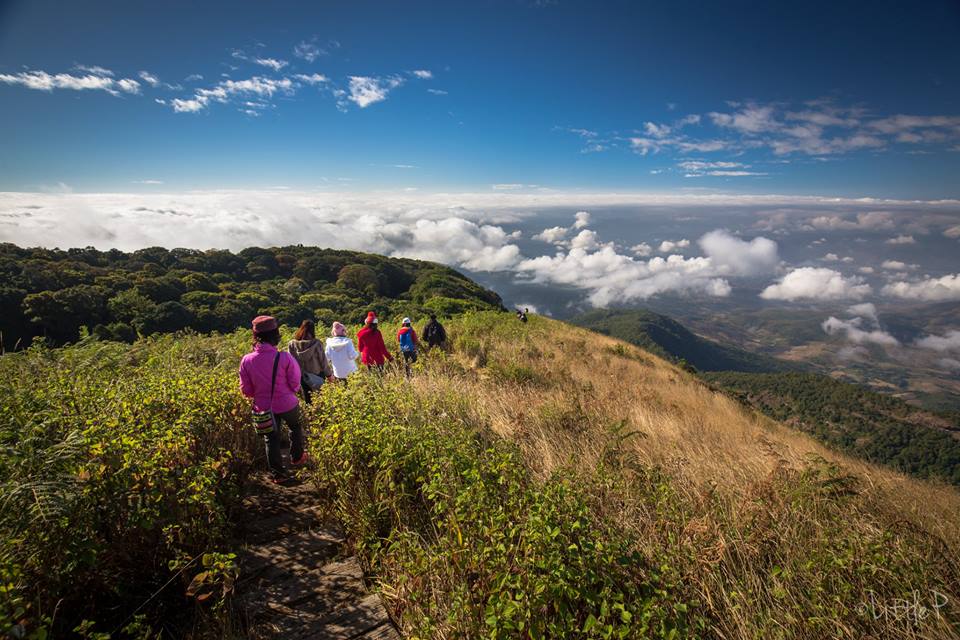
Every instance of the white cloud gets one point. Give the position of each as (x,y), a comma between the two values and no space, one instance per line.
(581,219)
(148,182)
(437,92)
(869,220)
(816,283)
(223,91)
(950,341)
(855,333)
(94,69)
(702,165)
(272,63)
(866,270)
(507,186)
(736,257)
(586,240)
(43,81)
(311,51)
(672,245)
(552,235)
(866,309)
(423,74)
(930,289)
(643,249)
(901,239)
(366,90)
(313,78)
(952,232)
(149,78)
(896,265)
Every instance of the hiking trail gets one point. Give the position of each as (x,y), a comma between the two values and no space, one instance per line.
(294,580)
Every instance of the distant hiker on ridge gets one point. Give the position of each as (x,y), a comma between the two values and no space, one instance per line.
(308,351)
(340,352)
(373,352)
(407,338)
(434,333)
(272,378)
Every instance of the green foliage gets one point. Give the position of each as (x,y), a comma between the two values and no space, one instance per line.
(118,465)
(469,544)
(53,293)
(875,427)
(669,339)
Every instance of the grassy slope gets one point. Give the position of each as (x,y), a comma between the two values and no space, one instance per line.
(538,479)
(879,428)
(669,339)
(755,529)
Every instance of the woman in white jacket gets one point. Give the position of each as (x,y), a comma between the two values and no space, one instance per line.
(340,352)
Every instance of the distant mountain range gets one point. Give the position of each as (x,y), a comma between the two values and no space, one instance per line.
(669,339)
(872,426)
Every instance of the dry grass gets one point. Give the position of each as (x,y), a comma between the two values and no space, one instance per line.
(751,502)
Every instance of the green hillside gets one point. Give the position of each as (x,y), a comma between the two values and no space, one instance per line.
(669,339)
(875,427)
(119,296)
(535,480)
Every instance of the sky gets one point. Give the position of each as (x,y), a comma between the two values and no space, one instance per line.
(567,154)
(820,98)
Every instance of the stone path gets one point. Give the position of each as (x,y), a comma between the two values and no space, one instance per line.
(294,581)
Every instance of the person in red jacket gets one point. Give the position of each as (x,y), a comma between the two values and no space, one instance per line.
(373,352)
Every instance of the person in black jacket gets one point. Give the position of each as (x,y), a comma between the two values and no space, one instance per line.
(433,333)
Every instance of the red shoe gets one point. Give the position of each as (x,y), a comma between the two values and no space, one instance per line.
(302,460)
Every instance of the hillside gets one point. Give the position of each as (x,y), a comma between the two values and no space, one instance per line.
(863,423)
(120,296)
(538,479)
(669,339)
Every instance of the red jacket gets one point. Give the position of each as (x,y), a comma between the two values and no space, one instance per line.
(372,349)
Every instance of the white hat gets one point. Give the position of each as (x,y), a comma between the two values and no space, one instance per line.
(406,321)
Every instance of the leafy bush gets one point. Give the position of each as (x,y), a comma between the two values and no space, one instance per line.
(465,542)
(118,467)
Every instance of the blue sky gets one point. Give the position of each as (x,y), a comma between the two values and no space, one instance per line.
(849,100)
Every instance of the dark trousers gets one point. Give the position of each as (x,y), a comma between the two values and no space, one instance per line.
(409,357)
(294,421)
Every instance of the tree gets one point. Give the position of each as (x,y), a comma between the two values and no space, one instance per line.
(359,277)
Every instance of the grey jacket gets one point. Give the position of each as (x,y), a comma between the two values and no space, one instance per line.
(310,355)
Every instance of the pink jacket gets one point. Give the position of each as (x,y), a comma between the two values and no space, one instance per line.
(255,371)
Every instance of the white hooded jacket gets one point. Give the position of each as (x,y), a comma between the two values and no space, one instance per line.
(342,355)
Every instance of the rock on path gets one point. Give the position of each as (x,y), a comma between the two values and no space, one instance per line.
(294,581)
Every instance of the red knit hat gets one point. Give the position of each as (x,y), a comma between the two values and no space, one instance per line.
(371,318)
(262,324)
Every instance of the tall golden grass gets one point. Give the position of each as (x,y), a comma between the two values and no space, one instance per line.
(776,535)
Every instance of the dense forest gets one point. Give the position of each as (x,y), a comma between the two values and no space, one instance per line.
(868,425)
(120,296)
(669,339)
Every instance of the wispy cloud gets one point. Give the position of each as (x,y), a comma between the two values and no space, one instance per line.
(271,63)
(310,50)
(43,81)
(366,90)
(223,91)
(422,74)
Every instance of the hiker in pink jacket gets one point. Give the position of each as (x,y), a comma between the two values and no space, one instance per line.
(265,369)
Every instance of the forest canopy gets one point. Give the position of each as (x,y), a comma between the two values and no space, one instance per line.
(119,296)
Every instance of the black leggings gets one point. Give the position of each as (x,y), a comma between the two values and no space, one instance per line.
(294,420)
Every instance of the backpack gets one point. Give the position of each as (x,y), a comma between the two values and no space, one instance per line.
(406,341)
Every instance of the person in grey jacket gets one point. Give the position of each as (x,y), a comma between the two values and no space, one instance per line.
(309,353)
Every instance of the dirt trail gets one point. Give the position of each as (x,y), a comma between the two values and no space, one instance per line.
(295,581)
